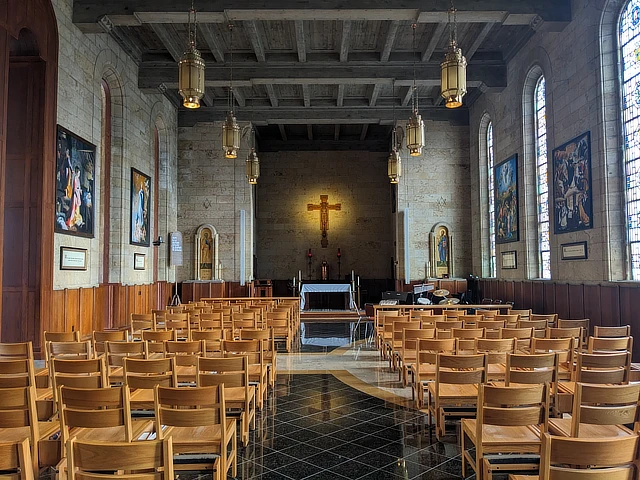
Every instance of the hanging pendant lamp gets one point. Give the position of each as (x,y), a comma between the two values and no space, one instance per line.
(230,127)
(394,162)
(253,162)
(453,78)
(191,68)
(415,126)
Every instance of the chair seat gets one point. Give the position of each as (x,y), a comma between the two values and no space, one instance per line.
(524,477)
(112,434)
(504,439)
(562,426)
(464,393)
(198,439)
(46,429)
(235,395)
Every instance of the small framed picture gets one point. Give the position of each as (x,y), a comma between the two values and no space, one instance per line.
(139,260)
(574,251)
(73,258)
(510,260)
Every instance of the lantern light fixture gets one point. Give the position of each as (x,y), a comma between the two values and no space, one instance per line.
(415,125)
(394,162)
(230,127)
(253,162)
(453,71)
(191,67)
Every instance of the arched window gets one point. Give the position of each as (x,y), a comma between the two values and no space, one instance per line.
(105,146)
(542,179)
(491,196)
(630,59)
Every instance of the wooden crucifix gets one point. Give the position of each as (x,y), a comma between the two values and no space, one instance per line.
(324,208)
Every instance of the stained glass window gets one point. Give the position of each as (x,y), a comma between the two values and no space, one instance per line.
(544,244)
(630,54)
(491,186)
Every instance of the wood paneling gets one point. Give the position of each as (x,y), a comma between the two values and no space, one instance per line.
(576,301)
(610,303)
(592,308)
(562,300)
(629,308)
(536,298)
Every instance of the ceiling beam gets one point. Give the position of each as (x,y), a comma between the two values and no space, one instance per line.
(306,95)
(301,41)
(407,96)
(363,133)
(346,39)
(168,40)
(283,132)
(375,93)
(273,98)
(239,96)
(319,116)
(390,40)
(310,132)
(324,144)
(151,74)
(130,12)
(129,46)
(208,97)
(340,100)
(336,132)
(212,40)
(251,29)
(478,41)
(433,42)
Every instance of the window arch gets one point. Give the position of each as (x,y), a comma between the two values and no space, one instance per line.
(542,178)
(629,43)
(491,197)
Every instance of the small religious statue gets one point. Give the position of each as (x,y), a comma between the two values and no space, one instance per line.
(441,252)
(324,270)
(324,208)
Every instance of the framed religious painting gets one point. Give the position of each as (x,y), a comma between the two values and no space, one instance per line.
(506,201)
(140,208)
(441,242)
(572,194)
(75,184)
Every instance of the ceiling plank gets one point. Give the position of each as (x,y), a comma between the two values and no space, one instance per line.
(478,41)
(273,98)
(363,133)
(390,40)
(433,42)
(324,144)
(212,40)
(306,95)
(301,41)
(345,41)
(375,93)
(168,40)
(251,29)
(336,133)
(283,132)
(340,100)
(310,132)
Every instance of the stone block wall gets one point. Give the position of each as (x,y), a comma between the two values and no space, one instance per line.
(213,190)
(84,60)
(362,228)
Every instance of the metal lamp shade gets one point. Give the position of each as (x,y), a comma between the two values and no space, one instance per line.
(453,80)
(253,167)
(415,134)
(191,78)
(230,136)
(394,166)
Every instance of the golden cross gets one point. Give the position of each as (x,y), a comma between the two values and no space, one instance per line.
(324,208)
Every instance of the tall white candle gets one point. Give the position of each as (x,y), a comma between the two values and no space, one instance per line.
(358,280)
(352,276)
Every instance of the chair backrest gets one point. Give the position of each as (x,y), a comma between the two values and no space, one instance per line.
(251,348)
(460,369)
(603,368)
(146,374)
(496,349)
(524,314)
(609,332)
(532,369)
(151,460)
(512,406)
(212,340)
(267,337)
(230,372)
(116,352)
(410,340)
(17,373)
(70,350)
(511,319)
(468,332)
(17,411)
(142,321)
(83,373)
(452,314)
(15,460)
(582,323)
(15,351)
(61,336)
(566,332)
(562,346)
(550,318)
(94,408)
(99,339)
(539,326)
(491,324)
(565,458)
(608,345)
(470,320)
(156,340)
(187,352)
(523,335)
(398,330)
(605,405)
(449,324)
(179,322)
(211,320)
(189,407)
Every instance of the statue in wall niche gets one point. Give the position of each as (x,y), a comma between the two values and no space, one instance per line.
(207,263)
(441,264)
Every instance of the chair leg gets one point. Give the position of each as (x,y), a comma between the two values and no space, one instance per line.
(464,458)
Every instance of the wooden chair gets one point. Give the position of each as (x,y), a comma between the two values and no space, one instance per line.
(510,320)
(551,318)
(487,314)
(178,323)
(536,369)
(141,376)
(406,355)
(453,314)
(282,329)
(239,395)
(610,345)
(522,335)
(387,332)
(257,367)
(582,323)
(156,340)
(497,350)
(607,368)
(566,332)
(16,351)
(195,418)
(424,370)
(611,332)
(15,460)
(524,314)
(212,341)
(98,339)
(587,458)
(211,321)
(158,318)
(466,337)
(57,337)
(140,322)
(395,344)
(470,321)
(539,326)
(82,373)
(269,349)
(492,327)
(116,352)
(449,324)
(17,373)
(455,390)
(69,351)
(186,353)
(507,426)
(564,347)
(242,320)
(600,411)
(151,460)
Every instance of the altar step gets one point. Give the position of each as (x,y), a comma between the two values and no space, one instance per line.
(331,315)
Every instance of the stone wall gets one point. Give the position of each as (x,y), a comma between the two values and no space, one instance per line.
(213,190)
(434,189)
(84,61)
(362,228)
(579,67)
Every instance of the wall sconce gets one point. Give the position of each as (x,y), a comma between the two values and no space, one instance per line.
(158,242)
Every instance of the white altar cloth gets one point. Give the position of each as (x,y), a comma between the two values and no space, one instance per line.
(326,288)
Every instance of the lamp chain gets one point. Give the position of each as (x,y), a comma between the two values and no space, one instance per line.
(231,66)
(394,138)
(415,88)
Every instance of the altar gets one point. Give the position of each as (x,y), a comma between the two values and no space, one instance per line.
(327,288)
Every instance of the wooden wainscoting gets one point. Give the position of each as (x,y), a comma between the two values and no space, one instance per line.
(605,304)
(194,291)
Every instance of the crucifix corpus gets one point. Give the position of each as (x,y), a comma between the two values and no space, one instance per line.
(324,208)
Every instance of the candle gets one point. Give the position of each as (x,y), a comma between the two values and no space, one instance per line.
(352,276)
(299,276)
(358,280)
(294,282)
